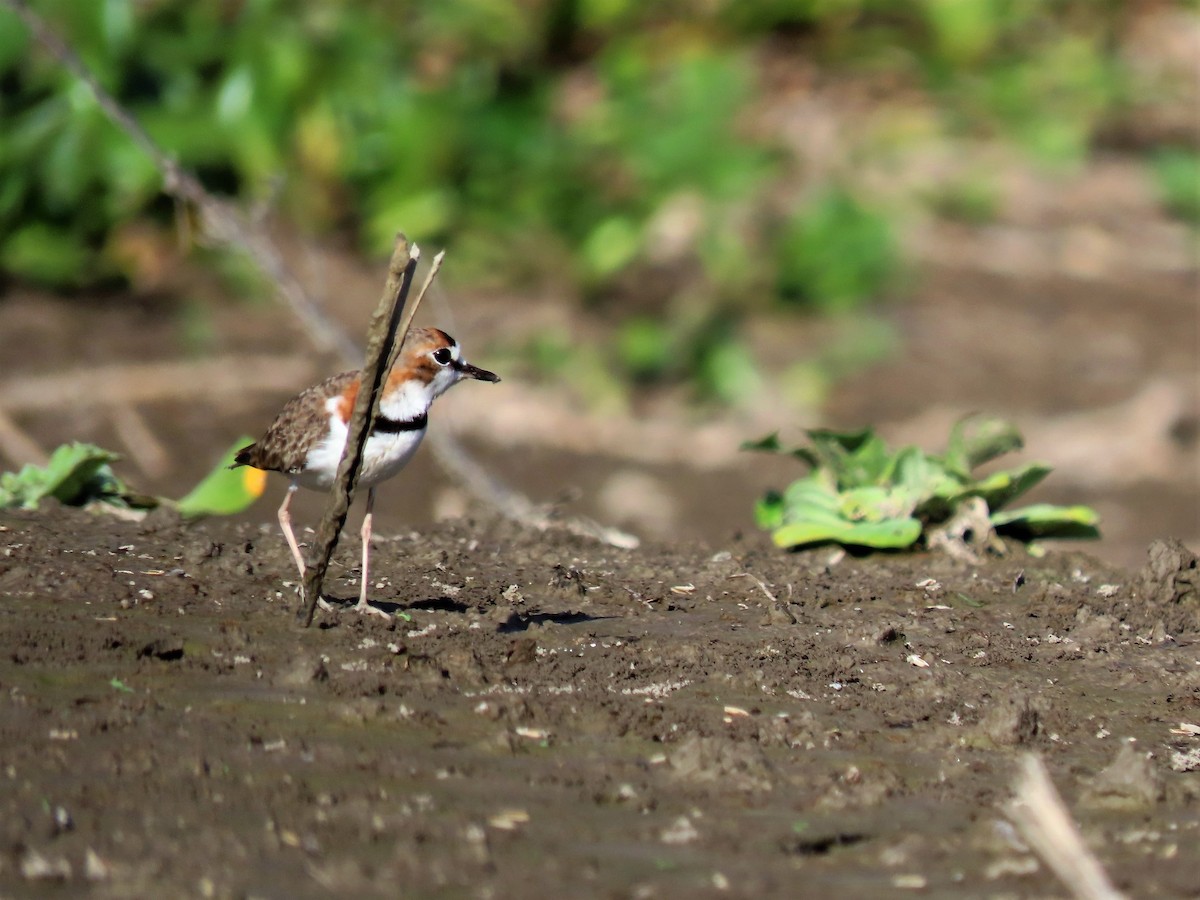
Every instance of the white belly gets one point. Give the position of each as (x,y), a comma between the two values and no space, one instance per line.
(385,455)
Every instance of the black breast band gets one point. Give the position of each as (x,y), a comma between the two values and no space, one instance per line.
(396,426)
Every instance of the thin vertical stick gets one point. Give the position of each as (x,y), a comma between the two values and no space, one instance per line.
(1042,818)
(412,310)
(383,337)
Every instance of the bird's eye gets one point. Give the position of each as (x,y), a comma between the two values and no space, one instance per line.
(442,356)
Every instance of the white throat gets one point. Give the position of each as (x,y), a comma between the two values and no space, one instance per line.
(408,401)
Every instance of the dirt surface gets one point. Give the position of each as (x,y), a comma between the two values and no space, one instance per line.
(545,716)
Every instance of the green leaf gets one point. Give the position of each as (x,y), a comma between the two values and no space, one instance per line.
(955,459)
(836,253)
(727,370)
(14,38)
(864,504)
(925,476)
(119,24)
(1177,172)
(856,458)
(644,348)
(768,444)
(235,95)
(75,474)
(890,534)
(1046,520)
(224,491)
(813,496)
(44,253)
(611,246)
(840,442)
(79,473)
(868,465)
(418,212)
(876,504)
(815,512)
(768,511)
(1001,488)
(771,444)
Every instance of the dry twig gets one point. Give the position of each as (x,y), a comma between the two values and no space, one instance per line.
(384,339)
(130,384)
(760,584)
(19,446)
(1042,818)
(140,442)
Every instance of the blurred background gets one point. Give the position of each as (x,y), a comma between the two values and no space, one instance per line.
(671,227)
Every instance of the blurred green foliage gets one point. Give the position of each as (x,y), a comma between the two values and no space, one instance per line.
(583,140)
(705,351)
(1177,172)
(79,474)
(836,252)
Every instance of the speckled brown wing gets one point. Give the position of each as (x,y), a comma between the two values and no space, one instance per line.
(301,423)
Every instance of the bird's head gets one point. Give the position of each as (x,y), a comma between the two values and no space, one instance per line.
(432,357)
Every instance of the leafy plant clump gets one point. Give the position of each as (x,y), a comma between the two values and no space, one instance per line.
(75,474)
(859,493)
(80,475)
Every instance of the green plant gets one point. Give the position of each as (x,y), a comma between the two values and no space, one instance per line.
(80,474)
(75,474)
(972,200)
(836,253)
(224,491)
(860,493)
(707,353)
(1177,172)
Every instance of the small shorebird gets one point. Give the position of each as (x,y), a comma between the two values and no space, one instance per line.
(307,438)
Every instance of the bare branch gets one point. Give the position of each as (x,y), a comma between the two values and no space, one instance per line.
(133,383)
(385,335)
(140,441)
(19,446)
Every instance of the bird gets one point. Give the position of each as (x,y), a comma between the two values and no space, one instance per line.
(308,437)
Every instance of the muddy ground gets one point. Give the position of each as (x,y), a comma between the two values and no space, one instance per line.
(547,716)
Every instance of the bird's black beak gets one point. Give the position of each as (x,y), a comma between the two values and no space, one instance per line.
(470,371)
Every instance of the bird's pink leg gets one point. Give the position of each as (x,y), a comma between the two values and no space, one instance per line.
(285,522)
(363,605)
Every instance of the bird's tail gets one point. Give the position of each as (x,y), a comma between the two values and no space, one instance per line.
(245,456)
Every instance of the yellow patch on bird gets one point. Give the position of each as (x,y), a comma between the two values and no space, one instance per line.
(254,481)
